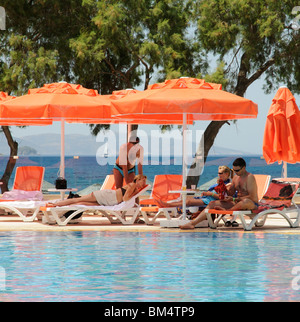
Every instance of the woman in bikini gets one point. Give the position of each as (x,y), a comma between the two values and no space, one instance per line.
(107,197)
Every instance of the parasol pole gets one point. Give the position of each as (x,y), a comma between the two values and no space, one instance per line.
(184,170)
(284,169)
(62,149)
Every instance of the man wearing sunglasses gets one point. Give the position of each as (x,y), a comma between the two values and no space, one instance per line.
(243,185)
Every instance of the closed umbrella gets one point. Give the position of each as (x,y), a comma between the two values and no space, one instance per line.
(281,142)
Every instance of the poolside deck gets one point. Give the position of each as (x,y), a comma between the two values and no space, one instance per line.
(274,224)
(99,223)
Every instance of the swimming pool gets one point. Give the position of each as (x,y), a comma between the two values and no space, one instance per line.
(150,266)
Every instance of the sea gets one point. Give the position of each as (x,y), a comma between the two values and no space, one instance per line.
(82,172)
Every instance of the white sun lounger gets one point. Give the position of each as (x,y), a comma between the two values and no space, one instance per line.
(26,210)
(287,208)
(115,214)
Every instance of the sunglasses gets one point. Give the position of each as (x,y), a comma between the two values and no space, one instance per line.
(237,170)
(221,172)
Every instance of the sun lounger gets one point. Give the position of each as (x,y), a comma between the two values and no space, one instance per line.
(262,183)
(26,196)
(162,184)
(26,210)
(27,185)
(109,182)
(277,200)
(115,214)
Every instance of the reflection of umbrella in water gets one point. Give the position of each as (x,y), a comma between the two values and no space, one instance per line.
(56,102)
(281,141)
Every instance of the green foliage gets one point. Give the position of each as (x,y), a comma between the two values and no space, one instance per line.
(26,68)
(136,39)
(116,44)
(254,37)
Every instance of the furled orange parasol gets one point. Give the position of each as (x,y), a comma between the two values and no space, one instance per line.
(281,141)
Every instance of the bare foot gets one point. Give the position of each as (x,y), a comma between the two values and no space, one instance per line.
(189,225)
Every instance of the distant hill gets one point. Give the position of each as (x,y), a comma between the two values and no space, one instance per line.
(77,144)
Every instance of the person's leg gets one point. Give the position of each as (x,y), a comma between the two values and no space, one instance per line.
(131,177)
(218,204)
(164,204)
(194,222)
(118,178)
(245,204)
(82,200)
(190,202)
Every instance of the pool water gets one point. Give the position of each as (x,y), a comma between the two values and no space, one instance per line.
(150,266)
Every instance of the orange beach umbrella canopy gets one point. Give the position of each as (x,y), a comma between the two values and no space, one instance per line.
(192,97)
(182,101)
(57,101)
(281,141)
(5,97)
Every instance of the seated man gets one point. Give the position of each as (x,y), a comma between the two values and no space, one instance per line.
(244,184)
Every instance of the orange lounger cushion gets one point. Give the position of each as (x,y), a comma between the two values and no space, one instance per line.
(150,209)
(220,212)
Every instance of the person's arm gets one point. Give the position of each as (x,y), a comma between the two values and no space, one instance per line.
(130,191)
(211,193)
(231,190)
(140,159)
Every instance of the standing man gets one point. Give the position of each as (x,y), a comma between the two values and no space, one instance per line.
(129,154)
(244,184)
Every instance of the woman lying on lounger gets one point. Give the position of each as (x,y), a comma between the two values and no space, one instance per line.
(107,197)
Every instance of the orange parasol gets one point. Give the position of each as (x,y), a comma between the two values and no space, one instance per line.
(281,141)
(5,97)
(194,98)
(56,102)
(182,101)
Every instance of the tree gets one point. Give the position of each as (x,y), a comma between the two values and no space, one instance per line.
(106,45)
(33,51)
(128,42)
(254,38)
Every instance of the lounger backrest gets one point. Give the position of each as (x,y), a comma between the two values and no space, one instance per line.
(132,201)
(29,178)
(163,183)
(109,182)
(262,181)
(280,193)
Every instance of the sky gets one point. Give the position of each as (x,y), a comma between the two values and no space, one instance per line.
(244,135)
